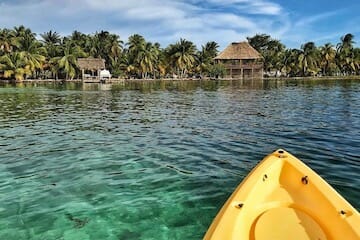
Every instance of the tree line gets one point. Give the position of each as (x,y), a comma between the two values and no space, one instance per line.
(341,59)
(24,55)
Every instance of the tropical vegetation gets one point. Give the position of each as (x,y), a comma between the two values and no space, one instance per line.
(26,55)
(342,59)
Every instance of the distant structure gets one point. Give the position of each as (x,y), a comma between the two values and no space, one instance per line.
(90,68)
(105,74)
(241,61)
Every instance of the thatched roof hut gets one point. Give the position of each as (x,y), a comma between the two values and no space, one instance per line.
(90,68)
(91,63)
(239,50)
(241,61)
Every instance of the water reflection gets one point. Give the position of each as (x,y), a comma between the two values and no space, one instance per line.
(147,86)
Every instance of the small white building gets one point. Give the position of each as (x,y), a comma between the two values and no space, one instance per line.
(105,74)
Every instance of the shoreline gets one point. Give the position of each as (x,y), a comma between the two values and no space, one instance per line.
(122,80)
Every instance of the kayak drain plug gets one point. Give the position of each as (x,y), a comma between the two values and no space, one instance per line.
(305,180)
(265,177)
(240,205)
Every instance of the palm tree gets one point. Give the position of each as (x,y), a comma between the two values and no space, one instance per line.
(104,45)
(136,47)
(291,65)
(357,59)
(67,61)
(113,52)
(142,57)
(82,40)
(52,41)
(22,33)
(328,53)
(125,64)
(136,42)
(308,59)
(147,59)
(161,62)
(100,46)
(34,53)
(8,40)
(345,54)
(259,41)
(51,37)
(210,50)
(274,55)
(206,55)
(347,42)
(95,48)
(271,49)
(182,56)
(14,65)
(114,45)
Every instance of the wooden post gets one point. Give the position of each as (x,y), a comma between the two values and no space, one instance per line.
(241,69)
(82,74)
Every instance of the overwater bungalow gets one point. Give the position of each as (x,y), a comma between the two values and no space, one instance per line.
(241,61)
(91,68)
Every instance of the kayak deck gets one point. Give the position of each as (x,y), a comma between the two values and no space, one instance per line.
(282,199)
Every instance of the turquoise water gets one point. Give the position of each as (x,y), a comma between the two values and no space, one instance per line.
(158,160)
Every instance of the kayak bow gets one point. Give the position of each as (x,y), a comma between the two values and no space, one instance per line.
(284,199)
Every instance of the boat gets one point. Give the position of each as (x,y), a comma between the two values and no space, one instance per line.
(283,199)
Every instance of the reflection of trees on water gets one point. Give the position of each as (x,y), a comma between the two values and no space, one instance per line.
(185,85)
(38,101)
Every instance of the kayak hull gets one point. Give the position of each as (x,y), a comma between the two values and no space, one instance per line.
(282,199)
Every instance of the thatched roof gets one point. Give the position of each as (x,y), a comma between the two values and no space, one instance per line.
(239,50)
(91,63)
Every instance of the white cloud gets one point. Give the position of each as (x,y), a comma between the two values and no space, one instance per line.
(266,8)
(152,13)
(164,21)
(309,20)
(320,28)
(252,6)
(232,21)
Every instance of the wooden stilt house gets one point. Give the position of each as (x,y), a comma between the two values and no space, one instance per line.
(241,61)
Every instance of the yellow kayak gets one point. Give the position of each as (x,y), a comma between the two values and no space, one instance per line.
(283,199)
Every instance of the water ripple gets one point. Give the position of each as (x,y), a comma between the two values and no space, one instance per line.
(79,164)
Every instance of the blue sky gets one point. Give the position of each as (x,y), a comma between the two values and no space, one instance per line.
(294,22)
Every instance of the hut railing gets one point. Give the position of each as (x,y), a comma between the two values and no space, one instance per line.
(244,66)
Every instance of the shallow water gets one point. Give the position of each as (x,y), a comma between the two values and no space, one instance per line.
(158,160)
